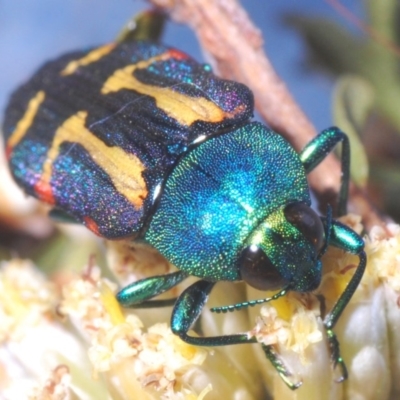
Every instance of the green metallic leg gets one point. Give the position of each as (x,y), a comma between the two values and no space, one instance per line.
(317,150)
(346,239)
(137,293)
(188,309)
(275,360)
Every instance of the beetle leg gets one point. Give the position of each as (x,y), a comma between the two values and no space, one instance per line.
(277,363)
(346,239)
(188,309)
(316,151)
(137,293)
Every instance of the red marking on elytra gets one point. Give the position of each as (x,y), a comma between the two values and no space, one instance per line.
(92,225)
(178,55)
(44,191)
(9,150)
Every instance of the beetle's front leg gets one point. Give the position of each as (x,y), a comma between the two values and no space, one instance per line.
(317,150)
(188,309)
(346,239)
(277,363)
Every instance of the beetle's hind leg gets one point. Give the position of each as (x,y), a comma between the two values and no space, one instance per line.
(187,310)
(317,150)
(138,293)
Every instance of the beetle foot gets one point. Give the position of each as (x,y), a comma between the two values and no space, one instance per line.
(277,363)
(340,364)
(336,358)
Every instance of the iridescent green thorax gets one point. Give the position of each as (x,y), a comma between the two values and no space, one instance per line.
(219,193)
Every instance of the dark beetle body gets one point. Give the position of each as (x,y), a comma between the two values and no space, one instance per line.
(138,106)
(140,140)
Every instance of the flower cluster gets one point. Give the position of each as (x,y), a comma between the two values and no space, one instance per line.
(64,336)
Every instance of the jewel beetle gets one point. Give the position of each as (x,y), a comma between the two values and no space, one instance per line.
(139,140)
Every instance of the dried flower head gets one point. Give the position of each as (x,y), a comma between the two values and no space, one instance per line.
(82,345)
(26,299)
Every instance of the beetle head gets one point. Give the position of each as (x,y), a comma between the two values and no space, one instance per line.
(284,250)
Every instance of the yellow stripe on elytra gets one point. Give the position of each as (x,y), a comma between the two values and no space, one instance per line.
(26,121)
(124,169)
(89,58)
(183,108)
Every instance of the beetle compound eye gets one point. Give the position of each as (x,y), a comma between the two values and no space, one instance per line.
(257,270)
(306,220)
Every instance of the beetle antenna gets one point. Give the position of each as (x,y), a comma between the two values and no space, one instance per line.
(251,303)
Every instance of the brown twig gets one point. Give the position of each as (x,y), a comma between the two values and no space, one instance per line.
(235,49)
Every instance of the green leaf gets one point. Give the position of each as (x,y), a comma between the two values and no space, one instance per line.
(330,46)
(353,98)
(148,25)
